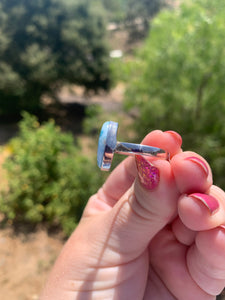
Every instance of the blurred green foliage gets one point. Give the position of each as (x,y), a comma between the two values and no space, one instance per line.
(49,180)
(114,10)
(121,69)
(178,79)
(45,44)
(139,15)
(135,15)
(94,118)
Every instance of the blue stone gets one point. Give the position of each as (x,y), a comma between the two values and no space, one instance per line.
(102,143)
(106,144)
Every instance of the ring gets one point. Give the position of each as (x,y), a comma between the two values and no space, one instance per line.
(108,145)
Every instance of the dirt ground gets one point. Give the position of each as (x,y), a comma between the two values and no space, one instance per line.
(25,261)
(25,258)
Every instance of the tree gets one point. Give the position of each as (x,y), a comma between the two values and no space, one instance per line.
(179,79)
(114,10)
(46,43)
(140,13)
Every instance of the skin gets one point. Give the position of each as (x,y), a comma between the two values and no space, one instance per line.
(136,243)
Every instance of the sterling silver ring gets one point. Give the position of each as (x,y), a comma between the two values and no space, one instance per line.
(108,145)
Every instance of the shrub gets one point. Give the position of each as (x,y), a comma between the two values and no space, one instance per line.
(49,180)
(178,79)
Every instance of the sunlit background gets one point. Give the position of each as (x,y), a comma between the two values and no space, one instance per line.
(67,66)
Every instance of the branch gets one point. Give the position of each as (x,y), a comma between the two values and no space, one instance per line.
(200,90)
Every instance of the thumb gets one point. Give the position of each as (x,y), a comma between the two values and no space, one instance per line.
(146,207)
(149,204)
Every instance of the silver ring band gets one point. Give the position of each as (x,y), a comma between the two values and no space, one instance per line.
(108,145)
(130,148)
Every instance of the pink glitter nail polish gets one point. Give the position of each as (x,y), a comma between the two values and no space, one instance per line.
(148,174)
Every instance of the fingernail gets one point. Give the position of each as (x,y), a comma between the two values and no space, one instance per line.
(176,136)
(147,173)
(200,163)
(209,201)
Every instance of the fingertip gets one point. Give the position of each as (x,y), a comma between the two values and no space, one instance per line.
(148,174)
(196,214)
(170,141)
(158,197)
(192,173)
(154,174)
(176,136)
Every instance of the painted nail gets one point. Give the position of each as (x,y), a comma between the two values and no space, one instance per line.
(147,173)
(200,163)
(209,201)
(176,136)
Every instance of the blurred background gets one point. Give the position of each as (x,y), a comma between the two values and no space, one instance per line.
(67,66)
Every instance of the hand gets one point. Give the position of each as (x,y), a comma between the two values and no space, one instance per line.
(153,231)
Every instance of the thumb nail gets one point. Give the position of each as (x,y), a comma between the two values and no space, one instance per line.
(148,174)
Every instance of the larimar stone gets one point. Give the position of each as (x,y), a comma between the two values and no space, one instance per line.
(107,144)
(102,143)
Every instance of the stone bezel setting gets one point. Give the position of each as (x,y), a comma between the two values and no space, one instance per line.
(107,144)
